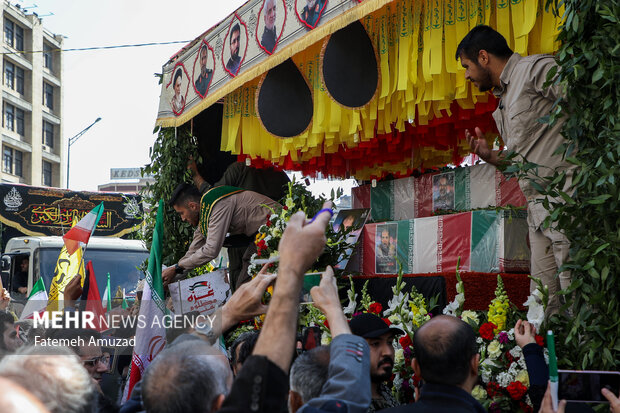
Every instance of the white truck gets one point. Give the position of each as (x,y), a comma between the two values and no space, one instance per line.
(120,257)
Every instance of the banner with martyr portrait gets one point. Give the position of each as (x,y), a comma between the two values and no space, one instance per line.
(255,38)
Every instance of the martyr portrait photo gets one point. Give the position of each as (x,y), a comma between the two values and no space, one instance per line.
(271,19)
(235,46)
(203,69)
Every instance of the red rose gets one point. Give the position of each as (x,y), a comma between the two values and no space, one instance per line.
(493,389)
(285,208)
(517,390)
(326,323)
(268,223)
(375,308)
(486,331)
(405,341)
(387,321)
(509,357)
(540,340)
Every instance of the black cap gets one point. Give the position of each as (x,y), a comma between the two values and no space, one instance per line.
(368,325)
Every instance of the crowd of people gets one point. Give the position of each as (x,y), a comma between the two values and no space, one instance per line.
(262,372)
(267,371)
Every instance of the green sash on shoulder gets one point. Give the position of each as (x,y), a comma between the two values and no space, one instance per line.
(210,198)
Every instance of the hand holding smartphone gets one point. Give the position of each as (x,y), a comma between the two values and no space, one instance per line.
(585,386)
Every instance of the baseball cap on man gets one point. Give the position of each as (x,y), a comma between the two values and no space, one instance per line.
(368,325)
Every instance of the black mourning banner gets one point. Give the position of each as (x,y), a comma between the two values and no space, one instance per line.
(284,101)
(349,67)
(50,211)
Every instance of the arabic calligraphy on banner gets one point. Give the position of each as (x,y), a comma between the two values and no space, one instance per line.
(56,216)
(43,211)
(204,293)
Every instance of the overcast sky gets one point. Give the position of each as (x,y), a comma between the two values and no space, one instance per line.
(119,85)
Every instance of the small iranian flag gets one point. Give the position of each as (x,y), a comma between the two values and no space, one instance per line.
(151,337)
(37,300)
(106,302)
(79,235)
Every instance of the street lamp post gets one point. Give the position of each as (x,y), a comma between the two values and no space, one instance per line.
(72,141)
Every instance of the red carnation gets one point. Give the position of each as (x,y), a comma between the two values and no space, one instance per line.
(509,357)
(375,308)
(493,389)
(517,390)
(405,341)
(387,321)
(486,331)
(268,223)
(326,323)
(540,340)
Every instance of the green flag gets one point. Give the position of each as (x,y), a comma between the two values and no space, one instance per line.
(106,302)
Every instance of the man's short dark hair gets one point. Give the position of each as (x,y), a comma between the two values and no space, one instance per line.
(309,373)
(483,38)
(235,28)
(444,354)
(183,194)
(247,341)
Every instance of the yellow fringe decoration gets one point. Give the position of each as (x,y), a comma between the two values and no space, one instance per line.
(415,42)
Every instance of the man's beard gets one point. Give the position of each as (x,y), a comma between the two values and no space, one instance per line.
(381,377)
(485,83)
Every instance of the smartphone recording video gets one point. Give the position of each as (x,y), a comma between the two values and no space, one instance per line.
(585,386)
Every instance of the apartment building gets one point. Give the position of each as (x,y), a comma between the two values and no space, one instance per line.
(33,146)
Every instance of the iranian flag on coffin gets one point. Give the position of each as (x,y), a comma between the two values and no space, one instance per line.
(393,200)
(499,241)
(439,242)
(361,196)
(466,188)
(387,245)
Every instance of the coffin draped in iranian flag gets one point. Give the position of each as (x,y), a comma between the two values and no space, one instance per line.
(460,189)
(485,240)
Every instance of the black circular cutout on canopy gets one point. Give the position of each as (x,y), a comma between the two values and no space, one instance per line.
(349,67)
(284,101)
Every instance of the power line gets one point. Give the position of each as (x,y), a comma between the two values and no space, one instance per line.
(81,49)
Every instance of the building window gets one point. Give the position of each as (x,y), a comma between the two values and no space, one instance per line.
(48,95)
(9,32)
(19,80)
(19,38)
(13,35)
(20,121)
(9,117)
(14,119)
(17,167)
(48,134)
(14,77)
(9,75)
(12,161)
(47,56)
(47,173)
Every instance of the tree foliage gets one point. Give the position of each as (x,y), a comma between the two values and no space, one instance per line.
(589,69)
(169,155)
